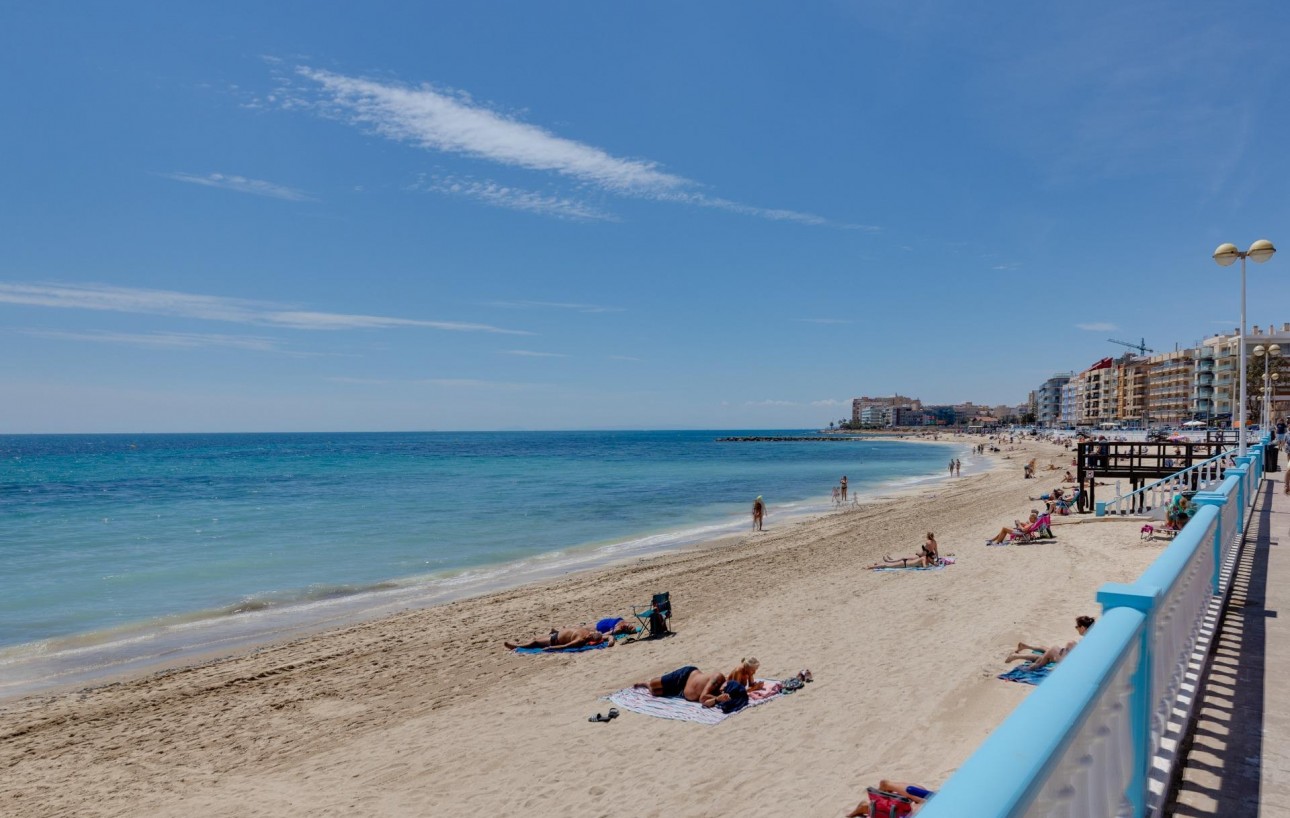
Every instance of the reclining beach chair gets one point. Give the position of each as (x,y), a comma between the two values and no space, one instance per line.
(888,804)
(653,618)
(1065,504)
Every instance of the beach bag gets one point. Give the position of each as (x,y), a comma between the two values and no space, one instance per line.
(738,697)
(888,804)
(658,625)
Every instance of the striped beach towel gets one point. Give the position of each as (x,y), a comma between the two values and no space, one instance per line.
(640,701)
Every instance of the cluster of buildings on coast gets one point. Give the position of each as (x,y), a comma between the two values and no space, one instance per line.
(1200,383)
(1140,391)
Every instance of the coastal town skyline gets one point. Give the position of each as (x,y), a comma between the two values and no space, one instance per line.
(224,220)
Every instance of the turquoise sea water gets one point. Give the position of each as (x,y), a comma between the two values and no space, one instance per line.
(117,549)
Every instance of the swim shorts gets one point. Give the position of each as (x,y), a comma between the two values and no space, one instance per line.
(674,682)
(919,792)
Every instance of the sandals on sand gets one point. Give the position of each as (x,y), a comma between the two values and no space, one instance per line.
(613,714)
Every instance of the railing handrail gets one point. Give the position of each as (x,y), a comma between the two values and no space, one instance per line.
(1173,477)
(1091,739)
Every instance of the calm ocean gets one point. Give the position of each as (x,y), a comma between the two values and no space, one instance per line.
(119,551)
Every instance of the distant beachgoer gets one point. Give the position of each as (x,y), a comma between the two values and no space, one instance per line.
(1037,656)
(837,496)
(844,488)
(958,467)
(566,638)
(746,674)
(758,513)
(915,793)
(690,683)
(929,555)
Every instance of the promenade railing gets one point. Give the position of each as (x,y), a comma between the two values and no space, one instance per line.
(1099,737)
(1203,476)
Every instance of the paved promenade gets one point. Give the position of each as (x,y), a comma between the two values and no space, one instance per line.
(1238,763)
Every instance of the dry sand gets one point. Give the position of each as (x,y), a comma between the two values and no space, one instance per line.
(425,714)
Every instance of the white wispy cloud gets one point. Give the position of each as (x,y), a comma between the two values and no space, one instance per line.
(554,305)
(1100,326)
(451,383)
(450,121)
(172,340)
(241,184)
(624,358)
(514,198)
(830,402)
(825,320)
(214,308)
(528,353)
(453,123)
(771,403)
(1011,265)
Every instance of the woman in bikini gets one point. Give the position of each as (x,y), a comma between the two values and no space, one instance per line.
(928,556)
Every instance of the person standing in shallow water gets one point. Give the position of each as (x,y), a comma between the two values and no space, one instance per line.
(844,488)
(759,513)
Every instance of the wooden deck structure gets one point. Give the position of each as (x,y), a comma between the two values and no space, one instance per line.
(1140,463)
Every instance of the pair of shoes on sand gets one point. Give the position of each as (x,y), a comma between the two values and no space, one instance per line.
(805,676)
(613,714)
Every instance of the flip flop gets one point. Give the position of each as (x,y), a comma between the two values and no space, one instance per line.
(613,712)
(598,717)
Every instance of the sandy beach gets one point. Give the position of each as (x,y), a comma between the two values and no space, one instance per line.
(424,713)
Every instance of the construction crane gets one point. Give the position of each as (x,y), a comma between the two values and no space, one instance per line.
(1141,346)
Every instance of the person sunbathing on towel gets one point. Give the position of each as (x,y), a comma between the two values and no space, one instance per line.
(566,639)
(690,683)
(929,554)
(904,789)
(1040,656)
(746,674)
(1019,530)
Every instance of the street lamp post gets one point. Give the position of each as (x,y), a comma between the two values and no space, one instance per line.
(1225,256)
(1265,405)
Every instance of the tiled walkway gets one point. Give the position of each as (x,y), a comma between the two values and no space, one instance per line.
(1238,761)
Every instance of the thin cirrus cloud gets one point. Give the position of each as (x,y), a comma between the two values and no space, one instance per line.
(528,353)
(452,122)
(214,308)
(241,184)
(513,198)
(553,305)
(164,340)
(1100,326)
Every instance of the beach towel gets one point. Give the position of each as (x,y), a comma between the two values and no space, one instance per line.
(640,701)
(944,561)
(597,646)
(1029,677)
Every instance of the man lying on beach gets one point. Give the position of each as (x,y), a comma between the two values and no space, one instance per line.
(689,682)
(566,639)
(1040,656)
(904,789)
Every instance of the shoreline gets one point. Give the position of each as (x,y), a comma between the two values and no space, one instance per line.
(101,657)
(422,712)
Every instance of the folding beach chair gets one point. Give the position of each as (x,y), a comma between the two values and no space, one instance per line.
(888,804)
(653,618)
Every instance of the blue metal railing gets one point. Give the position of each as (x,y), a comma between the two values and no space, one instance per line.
(1202,476)
(1098,737)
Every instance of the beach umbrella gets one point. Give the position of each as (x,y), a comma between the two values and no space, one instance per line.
(1192,424)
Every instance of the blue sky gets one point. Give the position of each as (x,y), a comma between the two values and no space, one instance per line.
(326,216)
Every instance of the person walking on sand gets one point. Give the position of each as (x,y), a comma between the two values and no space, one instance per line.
(958,467)
(759,513)
(843,482)
(951,468)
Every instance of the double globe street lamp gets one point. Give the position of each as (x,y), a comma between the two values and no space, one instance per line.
(1227,254)
(1269,381)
